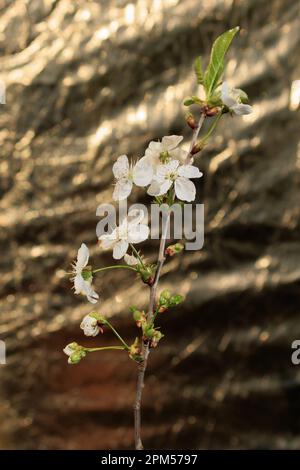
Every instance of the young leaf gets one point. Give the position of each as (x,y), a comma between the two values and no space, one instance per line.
(198,70)
(216,64)
(189,100)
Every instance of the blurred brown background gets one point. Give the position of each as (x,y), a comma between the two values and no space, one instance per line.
(87,81)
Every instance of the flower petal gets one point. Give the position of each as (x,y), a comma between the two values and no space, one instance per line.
(120,249)
(185,189)
(122,189)
(131,260)
(134,217)
(121,167)
(82,257)
(225,95)
(167,168)
(169,142)
(107,240)
(78,284)
(92,296)
(189,171)
(241,109)
(179,154)
(138,233)
(159,187)
(143,172)
(68,350)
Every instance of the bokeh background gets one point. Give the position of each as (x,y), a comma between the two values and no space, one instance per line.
(87,81)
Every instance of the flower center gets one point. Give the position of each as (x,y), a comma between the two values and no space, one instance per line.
(87,274)
(164,157)
(171,176)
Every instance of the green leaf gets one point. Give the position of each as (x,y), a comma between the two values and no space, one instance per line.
(198,70)
(215,67)
(189,100)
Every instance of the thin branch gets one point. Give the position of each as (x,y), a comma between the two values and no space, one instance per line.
(104,348)
(151,311)
(117,334)
(116,266)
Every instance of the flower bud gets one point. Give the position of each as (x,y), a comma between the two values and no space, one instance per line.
(138,316)
(147,274)
(164,297)
(190,120)
(198,147)
(172,250)
(135,351)
(76,357)
(148,331)
(75,353)
(156,338)
(176,300)
(210,111)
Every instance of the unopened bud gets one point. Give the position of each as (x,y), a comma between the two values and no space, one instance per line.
(156,338)
(197,147)
(212,111)
(174,249)
(190,120)
(147,274)
(135,352)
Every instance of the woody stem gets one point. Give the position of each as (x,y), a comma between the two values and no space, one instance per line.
(151,311)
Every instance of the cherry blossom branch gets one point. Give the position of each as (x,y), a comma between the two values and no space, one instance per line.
(153,292)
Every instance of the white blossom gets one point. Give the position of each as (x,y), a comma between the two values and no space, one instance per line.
(70,349)
(90,326)
(179,175)
(131,230)
(82,285)
(74,352)
(156,154)
(126,174)
(231,97)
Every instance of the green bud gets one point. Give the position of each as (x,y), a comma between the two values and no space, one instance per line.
(176,300)
(135,352)
(172,250)
(147,274)
(148,330)
(164,297)
(137,315)
(77,356)
(156,338)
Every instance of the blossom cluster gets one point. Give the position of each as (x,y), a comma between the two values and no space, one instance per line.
(165,171)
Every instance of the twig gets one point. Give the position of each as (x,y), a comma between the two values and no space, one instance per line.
(153,290)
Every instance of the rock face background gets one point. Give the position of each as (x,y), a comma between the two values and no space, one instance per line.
(87,81)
